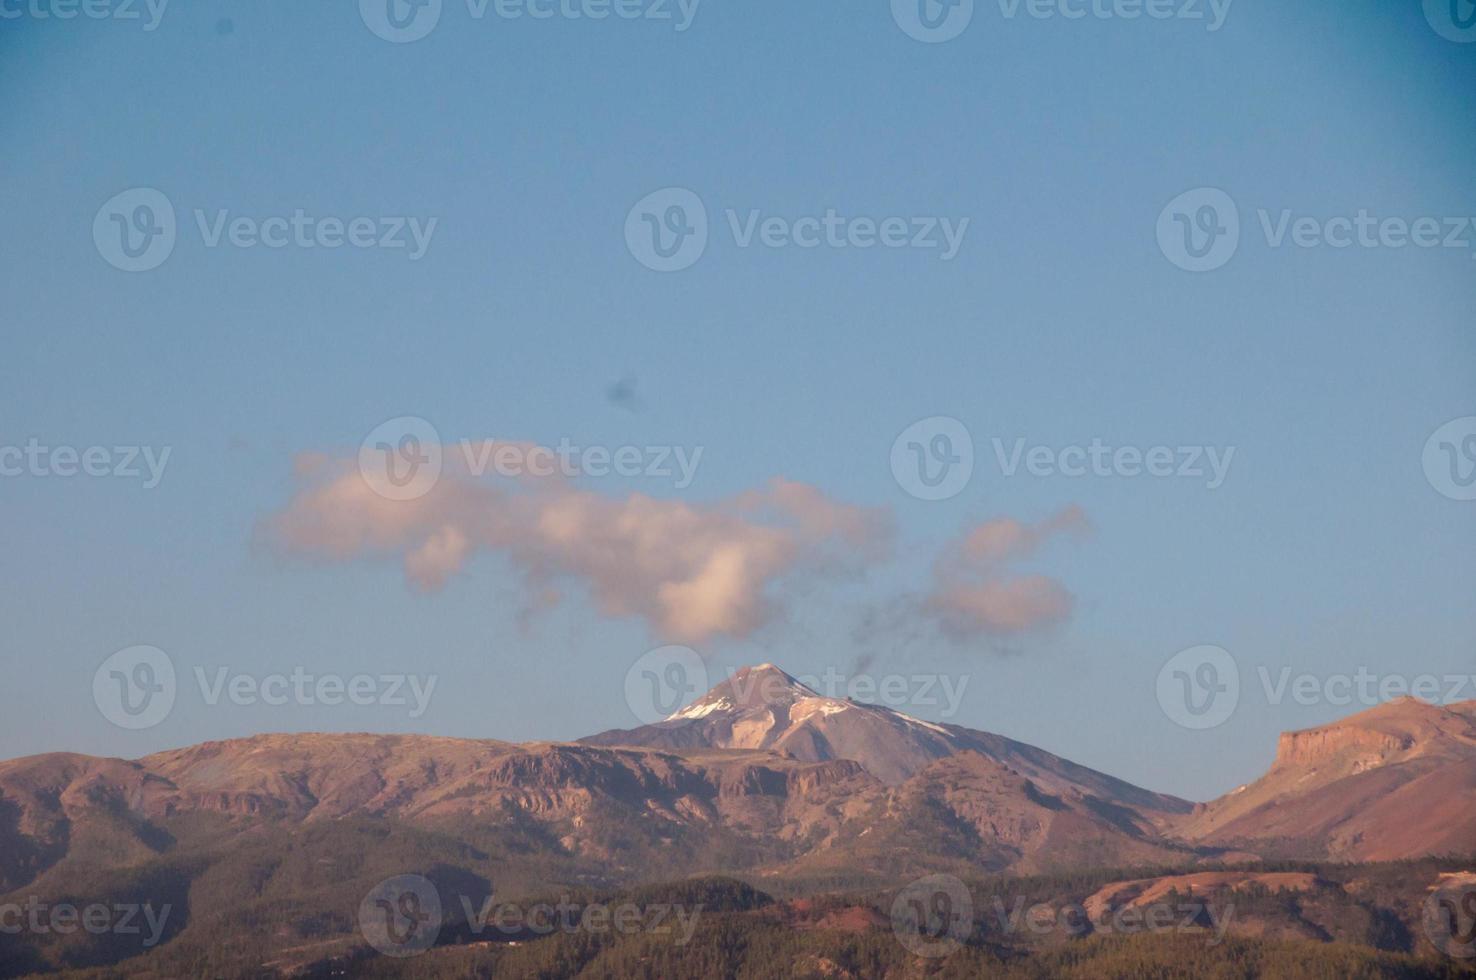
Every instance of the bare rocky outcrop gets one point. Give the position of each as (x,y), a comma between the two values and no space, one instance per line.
(1395,781)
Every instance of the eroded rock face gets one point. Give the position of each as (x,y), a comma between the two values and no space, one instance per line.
(1398,780)
(575,793)
(1354,749)
(47,800)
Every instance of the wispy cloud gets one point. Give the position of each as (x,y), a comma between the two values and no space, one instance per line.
(691,571)
(975,592)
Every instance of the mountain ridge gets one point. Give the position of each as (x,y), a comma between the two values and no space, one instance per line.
(772,776)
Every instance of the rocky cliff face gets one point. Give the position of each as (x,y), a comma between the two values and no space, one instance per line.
(1353,749)
(1399,731)
(571,790)
(1398,780)
(597,803)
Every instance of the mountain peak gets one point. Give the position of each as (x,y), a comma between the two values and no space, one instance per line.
(764,685)
(765,708)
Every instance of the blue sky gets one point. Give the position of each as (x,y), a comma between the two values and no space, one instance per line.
(1059,321)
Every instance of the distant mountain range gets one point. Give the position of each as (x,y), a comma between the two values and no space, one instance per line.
(761,756)
(761,776)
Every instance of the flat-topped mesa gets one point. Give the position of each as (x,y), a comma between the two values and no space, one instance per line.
(1360,748)
(1400,729)
(1391,782)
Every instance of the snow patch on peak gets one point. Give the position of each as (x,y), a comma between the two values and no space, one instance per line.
(702,709)
(918,721)
(807,707)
